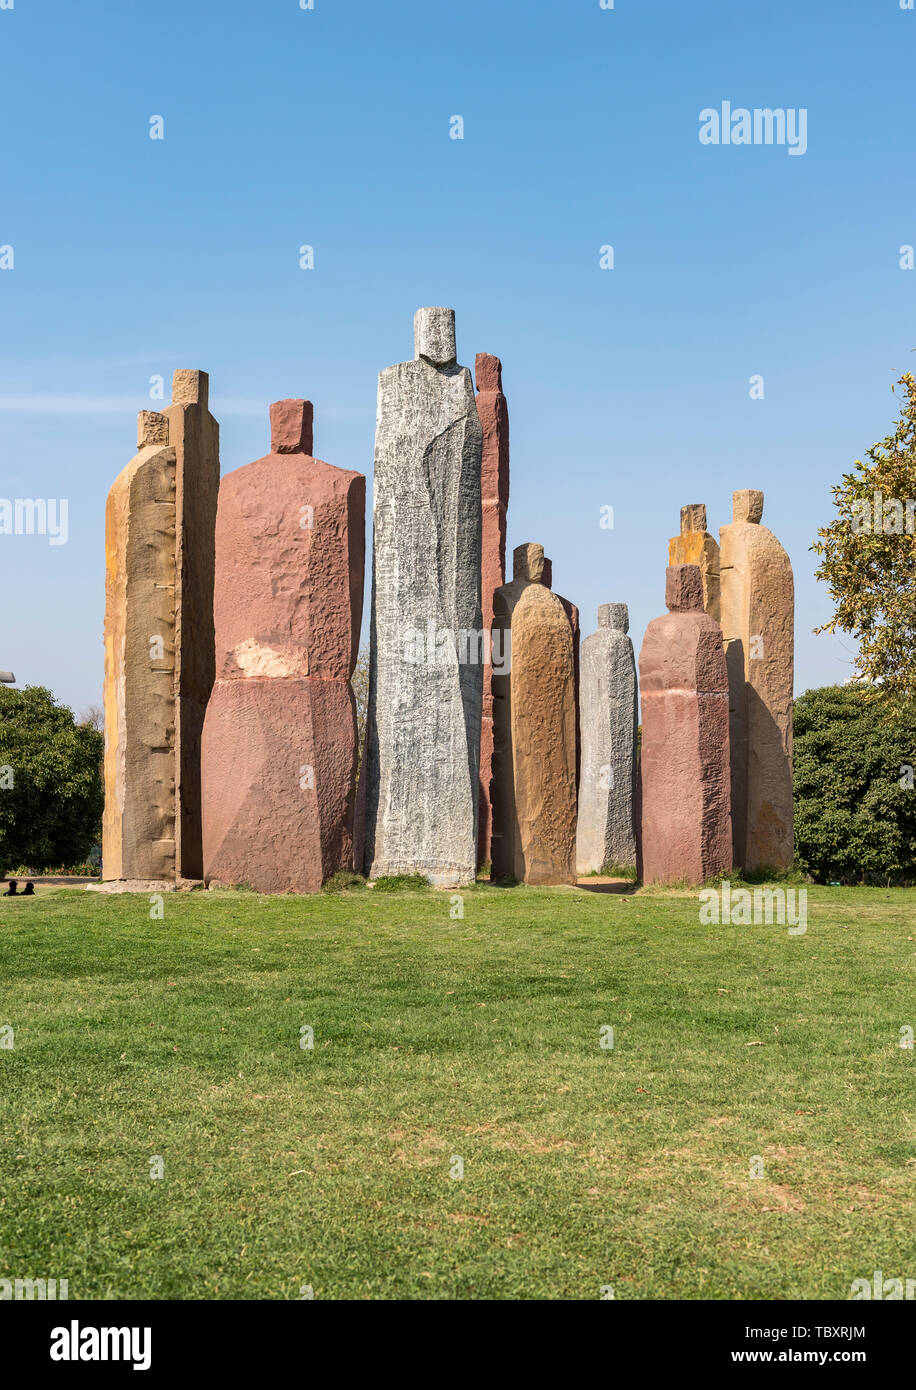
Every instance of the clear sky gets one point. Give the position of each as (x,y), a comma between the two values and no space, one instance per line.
(627,388)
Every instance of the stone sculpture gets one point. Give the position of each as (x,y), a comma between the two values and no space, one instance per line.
(572,613)
(279,746)
(159,656)
(609,711)
(534,728)
(695,546)
(684,764)
(422,760)
(494,420)
(758,614)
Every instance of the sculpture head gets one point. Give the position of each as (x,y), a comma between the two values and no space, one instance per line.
(528,562)
(434,335)
(747,505)
(684,589)
(693,517)
(291,427)
(615,616)
(488,372)
(190,388)
(152,428)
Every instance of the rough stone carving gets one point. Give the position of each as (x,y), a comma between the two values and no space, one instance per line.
(426,661)
(534,727)
(695,546)
(606,827)
(159,543)
(280,733)
(572,613)
(758,615)
(684,766)
(494,420)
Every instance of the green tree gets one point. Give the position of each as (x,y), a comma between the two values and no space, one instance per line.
(868,555)
(51,791)
(855,801)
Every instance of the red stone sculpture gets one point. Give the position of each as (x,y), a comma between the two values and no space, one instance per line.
(494,488)
(684,765)
(279,740)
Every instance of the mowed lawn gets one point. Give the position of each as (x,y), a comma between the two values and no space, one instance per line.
(438,1039)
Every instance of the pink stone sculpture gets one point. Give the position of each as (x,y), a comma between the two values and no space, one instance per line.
(685,781)
(279,741)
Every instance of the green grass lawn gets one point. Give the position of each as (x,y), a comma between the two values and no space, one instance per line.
(435,1038)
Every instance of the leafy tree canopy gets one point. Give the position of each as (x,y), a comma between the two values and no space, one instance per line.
(855,800)
(868,555)
(50,781)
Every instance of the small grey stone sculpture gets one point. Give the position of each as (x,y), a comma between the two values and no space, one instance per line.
(605,832)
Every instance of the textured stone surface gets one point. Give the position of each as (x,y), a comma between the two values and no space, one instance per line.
(194,434)
(609,715)
(159,540)
(695,546)
(684,766)
(494,488)
(758,617)
(572,613)
(134,885)
(423,726)
(534,726)
(434,335)
(280,733)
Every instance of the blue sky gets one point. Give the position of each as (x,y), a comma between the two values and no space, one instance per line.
(627,387)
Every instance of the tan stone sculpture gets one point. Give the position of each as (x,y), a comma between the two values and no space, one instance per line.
(159,651)
(695,546)
(758,606)
(534,728)
(572,613)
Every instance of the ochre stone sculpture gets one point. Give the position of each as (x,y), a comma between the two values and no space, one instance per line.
(695,546)
(609,708)
(572,613)
(422,760)
(159,539)
(758,616)
(534,727)
(684,767)
(494,473)
(279,745)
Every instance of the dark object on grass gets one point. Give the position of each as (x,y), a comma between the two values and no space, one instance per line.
(28,891)
(11,889)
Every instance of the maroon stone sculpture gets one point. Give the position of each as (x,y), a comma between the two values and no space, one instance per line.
(494,489)
(685,778)
(279,741)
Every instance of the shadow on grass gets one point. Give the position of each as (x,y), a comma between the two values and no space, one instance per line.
(621,885)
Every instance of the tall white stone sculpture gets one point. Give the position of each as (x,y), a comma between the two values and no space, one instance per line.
(426,657)
(609,712)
